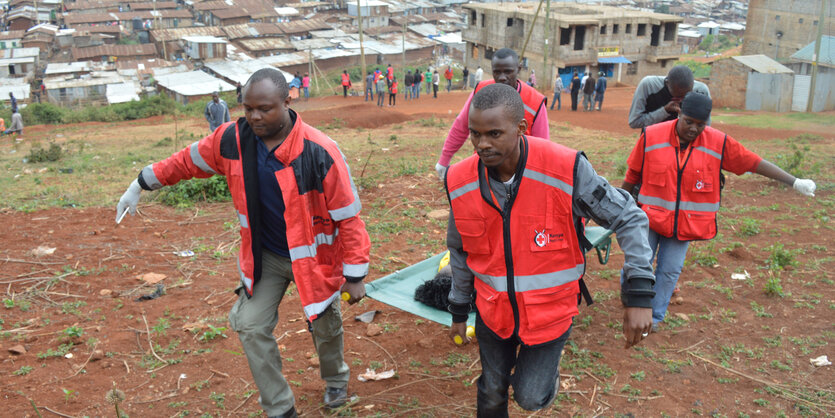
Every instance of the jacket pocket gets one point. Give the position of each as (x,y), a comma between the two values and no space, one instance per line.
(696,225)
(544,234)
(494,309)
(656,176)
(473,235)
(660,220)
(548,307)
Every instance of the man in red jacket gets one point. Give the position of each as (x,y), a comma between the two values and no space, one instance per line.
(346,83)
(514,238)
(678,165)
(292,190)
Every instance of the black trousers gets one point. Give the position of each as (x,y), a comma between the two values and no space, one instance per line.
(574,99)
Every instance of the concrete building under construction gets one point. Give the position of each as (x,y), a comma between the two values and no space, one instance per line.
(625,44)
(779,28)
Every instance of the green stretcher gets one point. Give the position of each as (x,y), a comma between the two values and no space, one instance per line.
(398,289)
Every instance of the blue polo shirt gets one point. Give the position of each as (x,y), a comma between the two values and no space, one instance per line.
(273,227)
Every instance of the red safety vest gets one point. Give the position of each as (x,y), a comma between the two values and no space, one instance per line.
(346,80)
(681,201)
(394,87)
(538,297)
(318,204)
(531,98)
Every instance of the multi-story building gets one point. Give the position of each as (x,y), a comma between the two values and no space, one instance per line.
(374,13)
(779,28)
(625,44)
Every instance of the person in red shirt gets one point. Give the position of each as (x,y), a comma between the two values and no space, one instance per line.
(393,92)
(675,173)
(448,77)
(346,83)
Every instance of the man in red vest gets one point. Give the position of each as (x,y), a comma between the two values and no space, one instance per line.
(292,190)
(506,69)
(526,268)
(678,165)
(346,83)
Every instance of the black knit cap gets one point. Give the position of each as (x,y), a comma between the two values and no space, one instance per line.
(696,105)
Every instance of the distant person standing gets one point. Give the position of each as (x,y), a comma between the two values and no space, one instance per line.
(381,90)
(479,73)
(532,79)
(574,87)
(377,75)
(436,81)
(216,112)
(393,92)
(16,127)
(588,94)
(369,90)
(448,77)
(466,74)
(346,83)
(389,74)
(557,93)
(599,89)
(306,86)
(427,78)
(416,85)
(13,101)
(238,93)
(408,81)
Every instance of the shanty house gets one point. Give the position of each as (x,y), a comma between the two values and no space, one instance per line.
(751,82)
(801,62)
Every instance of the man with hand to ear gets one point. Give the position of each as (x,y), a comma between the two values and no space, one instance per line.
(678,165)
(299,215)
(514,237)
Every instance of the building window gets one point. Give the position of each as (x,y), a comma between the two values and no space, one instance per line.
(656,32)
(565,36)
(579,37)
(628,28)
(488,53)
(800,20)
(815,23)
(664,63)
(473,16)
(776,17)
(615,28)
(509,22)
(669,31)
(475,52)
(602,29)
(482,20)
(642,29)
(632,69)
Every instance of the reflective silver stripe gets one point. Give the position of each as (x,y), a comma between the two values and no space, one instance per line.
(355,270)
(348,211)
(314,309)
(699,207)
(303,251)
(247,282)
(710,152)
(551,181)
(534,281)
(242,220)
(462,190)
(198,160)
(656,201)
(528,109)
(150,178)
(657,146)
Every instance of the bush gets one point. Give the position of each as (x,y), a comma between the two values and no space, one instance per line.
(40,155)
(186,193)
(43,113)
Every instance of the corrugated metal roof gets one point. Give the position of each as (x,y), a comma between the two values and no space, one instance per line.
(177,33)
(827,57)
(252,30)
(264,44)
(763,64)
(193,83)
(122,92)
(20,52)
(142,50)
(303,26)
(11,34)
(241,70)
(313,43)
(288,59)
(202,39)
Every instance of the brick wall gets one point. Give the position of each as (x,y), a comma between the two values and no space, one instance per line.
(728,82)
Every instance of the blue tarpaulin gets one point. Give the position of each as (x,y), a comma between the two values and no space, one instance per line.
(620,59)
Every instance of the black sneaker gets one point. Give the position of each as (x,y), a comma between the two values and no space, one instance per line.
(336,397)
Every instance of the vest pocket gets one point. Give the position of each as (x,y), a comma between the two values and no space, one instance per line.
(543,235)
(548,307)
(473,235)
(494,308)
(696,225)
(657,176)
(660,220)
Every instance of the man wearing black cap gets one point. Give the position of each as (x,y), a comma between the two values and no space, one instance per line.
(678,166)
(657,99)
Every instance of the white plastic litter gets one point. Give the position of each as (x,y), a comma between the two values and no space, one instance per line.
(820,361)
(42,251)
(184,253)
(741,276)
(372,375)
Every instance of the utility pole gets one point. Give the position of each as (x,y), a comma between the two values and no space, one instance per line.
(547,49)
(359,25)
(816,58)
(530,31)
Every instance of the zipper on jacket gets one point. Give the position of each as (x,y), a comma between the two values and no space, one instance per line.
(508,257)
(678,188)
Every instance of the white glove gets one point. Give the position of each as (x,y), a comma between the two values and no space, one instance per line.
(129,200)
(441,170)
(805,186)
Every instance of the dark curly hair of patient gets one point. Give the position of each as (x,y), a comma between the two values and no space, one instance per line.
(435,292)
